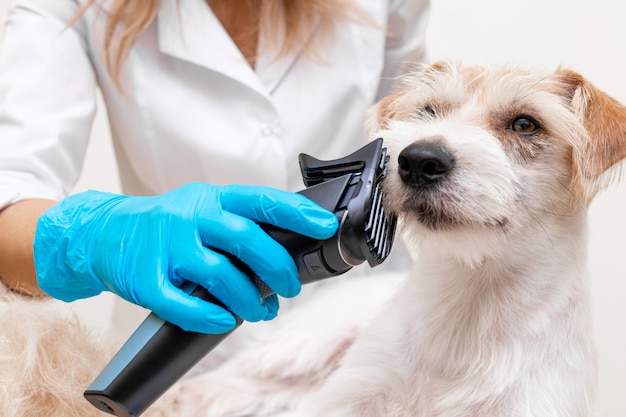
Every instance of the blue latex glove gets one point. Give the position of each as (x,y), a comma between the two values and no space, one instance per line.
(144,248)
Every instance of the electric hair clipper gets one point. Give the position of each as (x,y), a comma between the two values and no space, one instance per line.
(159,353)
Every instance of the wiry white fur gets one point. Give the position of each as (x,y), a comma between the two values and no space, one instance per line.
(494,320)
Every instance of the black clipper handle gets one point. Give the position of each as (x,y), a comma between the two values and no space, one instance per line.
(156,356)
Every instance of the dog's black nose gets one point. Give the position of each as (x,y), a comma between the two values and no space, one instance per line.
(421,164)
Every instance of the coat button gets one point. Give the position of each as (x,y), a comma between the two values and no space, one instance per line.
(271,130)
(267,130)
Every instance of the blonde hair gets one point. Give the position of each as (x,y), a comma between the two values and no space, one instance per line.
(286,24)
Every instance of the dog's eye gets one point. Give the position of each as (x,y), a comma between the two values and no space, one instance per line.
(524,125)
(427,111)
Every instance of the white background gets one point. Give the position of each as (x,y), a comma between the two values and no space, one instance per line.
(589,37)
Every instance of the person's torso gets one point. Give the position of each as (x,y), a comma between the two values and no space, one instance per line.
(193,109)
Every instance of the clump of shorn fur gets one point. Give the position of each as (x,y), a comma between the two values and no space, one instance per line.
(47,359)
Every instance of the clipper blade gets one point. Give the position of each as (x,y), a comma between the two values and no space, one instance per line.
(380,227)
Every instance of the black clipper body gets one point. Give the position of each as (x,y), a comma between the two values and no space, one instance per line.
(159,353)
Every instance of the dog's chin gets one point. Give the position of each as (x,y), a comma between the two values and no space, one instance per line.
(466,246)
(451,234)
(437,216)
(437,220)
(432,218)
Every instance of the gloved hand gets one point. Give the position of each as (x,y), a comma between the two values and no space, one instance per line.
(144,248)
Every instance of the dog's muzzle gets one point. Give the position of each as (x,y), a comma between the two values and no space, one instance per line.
(423,164)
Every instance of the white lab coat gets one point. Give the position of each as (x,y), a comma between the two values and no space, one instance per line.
(192,109)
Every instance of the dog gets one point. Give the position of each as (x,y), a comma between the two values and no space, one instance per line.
(491,172)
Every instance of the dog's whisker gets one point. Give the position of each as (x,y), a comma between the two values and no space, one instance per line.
(580,204)
(539,222)
(555,214)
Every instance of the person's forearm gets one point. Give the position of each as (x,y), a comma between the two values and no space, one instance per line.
(18,223)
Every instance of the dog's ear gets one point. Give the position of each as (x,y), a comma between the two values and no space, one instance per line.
(384,111)
(391,107)
(604,120)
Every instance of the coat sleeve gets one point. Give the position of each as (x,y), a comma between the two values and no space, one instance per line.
(406,40)
(47,100)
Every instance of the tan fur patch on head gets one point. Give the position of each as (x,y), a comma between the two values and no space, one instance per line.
(384,111)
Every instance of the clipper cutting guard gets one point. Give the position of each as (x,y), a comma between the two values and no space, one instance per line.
(159,353)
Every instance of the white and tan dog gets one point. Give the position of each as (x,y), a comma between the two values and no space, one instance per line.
(491,173)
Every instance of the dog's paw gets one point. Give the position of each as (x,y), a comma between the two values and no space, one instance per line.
(308,342)
(251,385)
(283,361)
(262,380)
